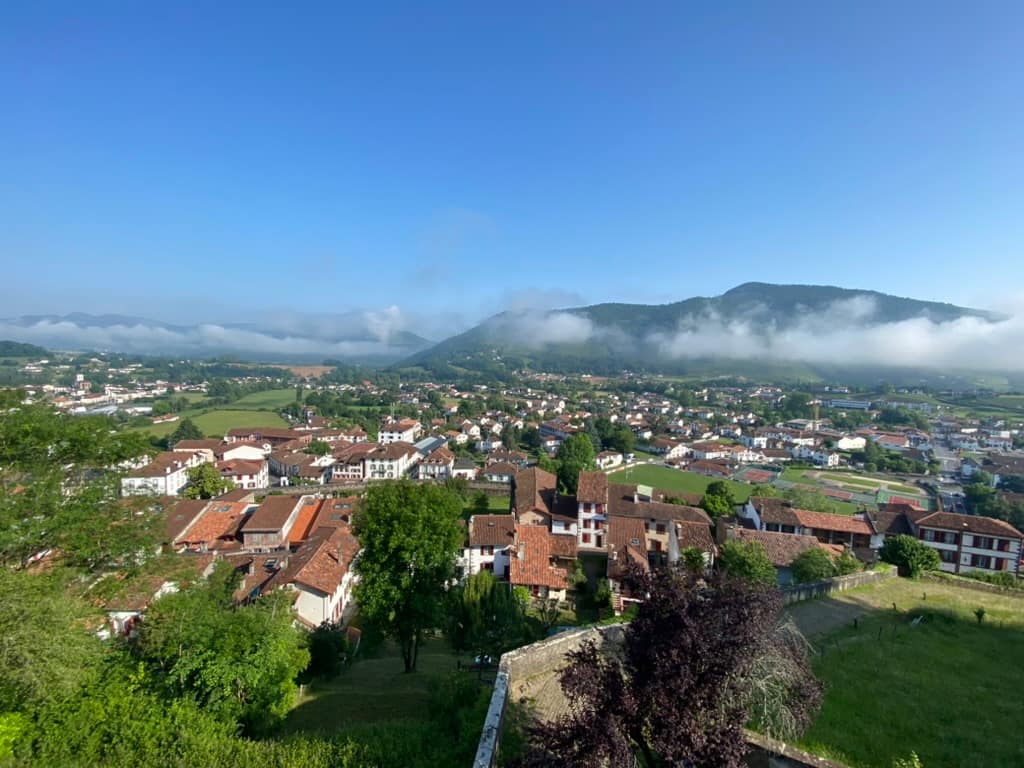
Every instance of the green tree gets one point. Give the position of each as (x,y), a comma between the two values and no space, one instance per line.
(45,650)
(813,565)
(328,649)
(317,448)
(622,440)
(481,504)
(239,664)
(846,564)
(747,560)
(411,535)
(484,617)
(910,556)
(693,560)
(186,430)
(718,499)
(575,455)
(205,482)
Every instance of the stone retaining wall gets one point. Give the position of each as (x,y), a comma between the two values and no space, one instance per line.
(532,671)
(800,592)
(977,586)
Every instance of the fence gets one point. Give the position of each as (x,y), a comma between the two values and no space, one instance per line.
(800,592)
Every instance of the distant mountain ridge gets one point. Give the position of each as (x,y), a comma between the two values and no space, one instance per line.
(743,324)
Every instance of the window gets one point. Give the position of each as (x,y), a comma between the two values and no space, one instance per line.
(660,528)
(981,561)
(947,556)
(586,538)
(599,525)
(488,550)
(587,523)
(950,538)
(599,541)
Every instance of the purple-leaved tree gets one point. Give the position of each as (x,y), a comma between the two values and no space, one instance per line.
(700,660)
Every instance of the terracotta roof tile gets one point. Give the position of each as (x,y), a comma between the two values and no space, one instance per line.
(491,530)
(986,526)
(530,563)
(782,548)
(593,488)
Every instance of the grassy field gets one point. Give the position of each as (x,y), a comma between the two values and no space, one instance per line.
(855,483)
(496,505)
(271,399)
(215,423)
(948,688)
(668,479)
(373,690)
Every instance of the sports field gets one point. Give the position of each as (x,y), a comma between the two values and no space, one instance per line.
(216,422)
(668,479)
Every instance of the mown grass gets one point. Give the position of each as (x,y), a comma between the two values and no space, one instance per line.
(270,399)
(948,688)
(495,505)
(216,422)
(668,479)
(373,690)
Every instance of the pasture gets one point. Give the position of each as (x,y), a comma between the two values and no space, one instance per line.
(923,676)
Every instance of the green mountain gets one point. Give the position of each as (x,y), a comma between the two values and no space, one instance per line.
(753,329)
(17,349)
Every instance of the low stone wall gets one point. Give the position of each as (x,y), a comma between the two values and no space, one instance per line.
(531,673)
(800,592)
(977,586)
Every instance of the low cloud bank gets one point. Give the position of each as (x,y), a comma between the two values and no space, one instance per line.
(844,333)
(363,335)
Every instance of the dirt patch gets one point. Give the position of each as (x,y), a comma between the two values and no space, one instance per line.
(307,371)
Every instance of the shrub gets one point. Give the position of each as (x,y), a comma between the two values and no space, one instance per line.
(909,555)
(813,565)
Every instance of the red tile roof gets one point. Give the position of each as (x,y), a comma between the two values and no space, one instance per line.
(592,488)
(322,562)
(219,521)
(491,530)
(823,521)
(530,563)
(535,489)
(782,548)
(986,526)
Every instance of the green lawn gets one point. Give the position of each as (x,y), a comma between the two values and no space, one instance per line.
(948,688)
(373,690)
(270,399)
(215,423)
(668,479)
(495,504)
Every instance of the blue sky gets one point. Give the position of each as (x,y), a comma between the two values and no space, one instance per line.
(200,162)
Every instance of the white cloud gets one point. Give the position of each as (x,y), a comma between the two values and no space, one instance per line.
(839,335)
(202,339)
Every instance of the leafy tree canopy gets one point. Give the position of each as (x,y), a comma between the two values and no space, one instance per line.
(575,455)
(747,560)
(909,555)
(686,684)
(205,482)
(410,536)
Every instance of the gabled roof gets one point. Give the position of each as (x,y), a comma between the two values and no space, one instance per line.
(530,560)
(501,468)
(272,514)
(491,530)
(592,488)
(695,535)
(627,543)
(986,526)
(782,548)
(219,521)
(535,489)
(322,562)
(775,511)
(823,521)
(181,514)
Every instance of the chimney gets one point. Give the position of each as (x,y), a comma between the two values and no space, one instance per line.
(521,552)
